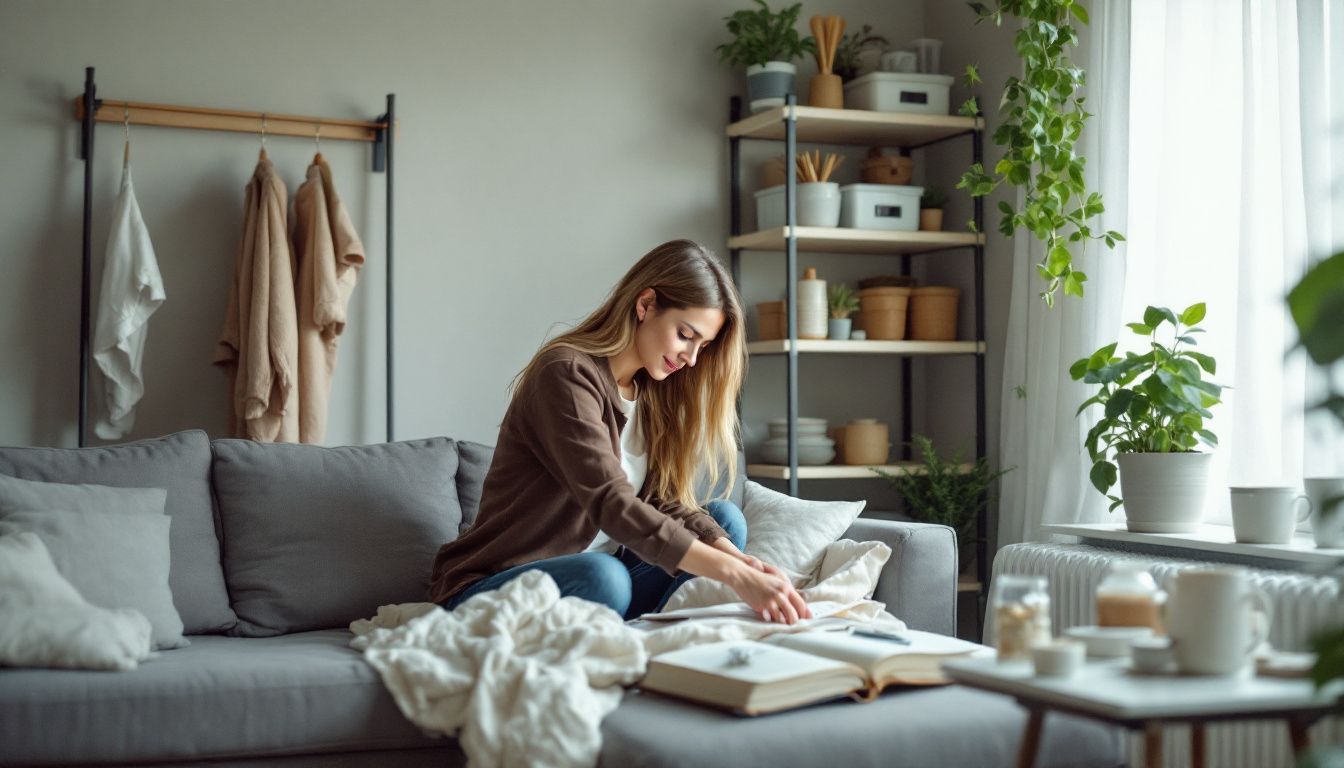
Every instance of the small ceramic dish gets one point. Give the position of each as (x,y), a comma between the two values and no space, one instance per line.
(1059,658)
(1152,655)
(1108,642)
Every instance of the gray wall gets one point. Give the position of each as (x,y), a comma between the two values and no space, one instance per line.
(543,147)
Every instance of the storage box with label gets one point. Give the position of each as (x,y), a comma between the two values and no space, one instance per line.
(880,206)
(899,92)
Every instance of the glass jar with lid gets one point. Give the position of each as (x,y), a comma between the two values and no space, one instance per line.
(1021,606)
(1128,596)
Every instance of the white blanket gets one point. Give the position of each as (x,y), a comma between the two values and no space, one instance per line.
(524,677)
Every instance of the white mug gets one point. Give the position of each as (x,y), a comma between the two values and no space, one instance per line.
(1328,532)
(1216,620)
(899,61)
(1265,514)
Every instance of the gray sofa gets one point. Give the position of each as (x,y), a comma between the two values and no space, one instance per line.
(276,548)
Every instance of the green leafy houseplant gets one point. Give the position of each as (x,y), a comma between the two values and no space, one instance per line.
(933,197)
(1154,402)
(945,493)
(851,45)
(843,301)
(761,35)
(1043,118)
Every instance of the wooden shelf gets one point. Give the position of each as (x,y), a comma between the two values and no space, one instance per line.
(867,347)
(876,242)
(856,126)
(1211,540)
(837,471)
(968,586)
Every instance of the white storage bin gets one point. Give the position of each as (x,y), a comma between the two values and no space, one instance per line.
(880,206)
(899,92)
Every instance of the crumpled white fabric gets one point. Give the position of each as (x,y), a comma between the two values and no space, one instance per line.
(525,677)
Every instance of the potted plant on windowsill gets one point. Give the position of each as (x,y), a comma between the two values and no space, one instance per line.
(943,492)
(1154,406)
(766,43)
(843,304)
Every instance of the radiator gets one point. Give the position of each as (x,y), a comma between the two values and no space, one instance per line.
(1302,603)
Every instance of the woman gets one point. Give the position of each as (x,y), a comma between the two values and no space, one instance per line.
(639,397)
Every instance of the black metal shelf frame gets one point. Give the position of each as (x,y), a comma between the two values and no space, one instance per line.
(791,284)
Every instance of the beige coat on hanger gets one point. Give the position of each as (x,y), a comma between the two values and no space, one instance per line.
(259,344)
(329,254)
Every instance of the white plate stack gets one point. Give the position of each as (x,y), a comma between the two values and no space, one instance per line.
(814,447)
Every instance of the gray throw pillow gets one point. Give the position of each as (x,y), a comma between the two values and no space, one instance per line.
(111,544)
(315,538)
(178,463)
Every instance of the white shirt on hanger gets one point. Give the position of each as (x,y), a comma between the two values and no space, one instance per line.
(635,462)
(132,290)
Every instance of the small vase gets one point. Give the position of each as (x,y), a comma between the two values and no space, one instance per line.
(826,91)
(768,84)
(838,328)
(931,219)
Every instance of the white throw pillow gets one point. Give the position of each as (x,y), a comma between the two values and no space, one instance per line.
(48,624)
(791,534)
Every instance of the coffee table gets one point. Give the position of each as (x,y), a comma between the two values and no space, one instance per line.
(1108,690)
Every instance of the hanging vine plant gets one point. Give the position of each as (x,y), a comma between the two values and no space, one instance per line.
(1043,118)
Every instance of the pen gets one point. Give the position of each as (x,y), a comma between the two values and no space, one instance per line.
(879,636)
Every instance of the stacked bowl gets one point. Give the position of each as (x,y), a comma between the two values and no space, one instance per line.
(814,447)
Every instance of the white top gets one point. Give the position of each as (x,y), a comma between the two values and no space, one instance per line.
(634,460)
(132,290)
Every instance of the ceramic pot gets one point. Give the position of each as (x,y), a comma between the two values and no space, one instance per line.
(813,307)
(933,313)
(931,219)
(883,312)
(1164,492)
(866,442)
(827,91)
(838,328)
(768,84)
(819,204)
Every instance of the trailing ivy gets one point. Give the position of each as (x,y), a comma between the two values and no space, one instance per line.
(1044,116)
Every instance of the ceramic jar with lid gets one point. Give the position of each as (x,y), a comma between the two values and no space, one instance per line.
(1128,596)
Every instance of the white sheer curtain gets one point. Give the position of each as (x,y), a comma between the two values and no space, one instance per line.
(1219,148)
(1040,435)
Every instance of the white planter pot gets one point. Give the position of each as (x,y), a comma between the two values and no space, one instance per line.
(768,84)
(1164,492)
(819,204)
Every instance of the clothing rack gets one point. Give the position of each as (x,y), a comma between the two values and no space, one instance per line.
(90,109)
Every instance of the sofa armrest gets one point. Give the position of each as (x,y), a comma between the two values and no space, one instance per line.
(919,582)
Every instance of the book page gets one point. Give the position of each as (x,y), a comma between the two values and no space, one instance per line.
(925,648)
(820,610)
(764,663)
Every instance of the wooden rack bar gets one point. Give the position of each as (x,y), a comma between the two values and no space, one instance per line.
(174,116)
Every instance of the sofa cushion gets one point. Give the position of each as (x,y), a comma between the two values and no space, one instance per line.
(911,728)
(315,537)
(178,463)
(219,697)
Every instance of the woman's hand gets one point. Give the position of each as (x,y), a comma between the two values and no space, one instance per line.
(769,592)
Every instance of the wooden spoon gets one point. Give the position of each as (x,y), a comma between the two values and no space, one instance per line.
(819,34)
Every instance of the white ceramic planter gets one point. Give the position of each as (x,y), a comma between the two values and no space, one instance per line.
(819,204)
(768,84)
(1164,492)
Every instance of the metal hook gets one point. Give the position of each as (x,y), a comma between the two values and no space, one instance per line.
(263,131)
(126,129)
(317,136)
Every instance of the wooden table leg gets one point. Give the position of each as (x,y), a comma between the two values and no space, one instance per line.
(1197,745)
(1300,737)
(1152,745)
(1031,738)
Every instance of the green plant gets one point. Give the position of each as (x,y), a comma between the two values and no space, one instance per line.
(933,197)
(851,45)
(1162,413)
(1044,118)
(761,35)
(944,492)
(843,301)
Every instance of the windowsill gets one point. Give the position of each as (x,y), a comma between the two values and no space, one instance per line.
(1216,540)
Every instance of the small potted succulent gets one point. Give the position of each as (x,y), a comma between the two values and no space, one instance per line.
(766,43)
(1154,407)
(931,208)
(859,53)
(843,303)
(946,492)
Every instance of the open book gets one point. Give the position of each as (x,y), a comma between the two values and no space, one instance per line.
(789,670)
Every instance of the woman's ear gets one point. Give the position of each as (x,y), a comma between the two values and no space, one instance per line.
(644,303)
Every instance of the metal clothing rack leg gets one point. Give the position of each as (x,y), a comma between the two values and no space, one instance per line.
(89,109)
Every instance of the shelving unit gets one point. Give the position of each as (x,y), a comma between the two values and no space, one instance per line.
(793,124)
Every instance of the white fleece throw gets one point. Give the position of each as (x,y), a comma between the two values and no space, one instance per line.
(524,677)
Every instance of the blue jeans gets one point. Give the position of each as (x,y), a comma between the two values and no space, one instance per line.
(622,582)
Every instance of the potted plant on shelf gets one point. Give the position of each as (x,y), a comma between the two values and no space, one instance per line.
(1154,407)
(766,43)
(859,53)
(946,493)
(843,304)
(931,208)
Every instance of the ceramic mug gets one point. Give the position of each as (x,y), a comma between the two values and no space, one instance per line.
(1216,620)
(1326,529)
(1265,514)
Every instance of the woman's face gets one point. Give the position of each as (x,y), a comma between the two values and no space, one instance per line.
(669,339)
